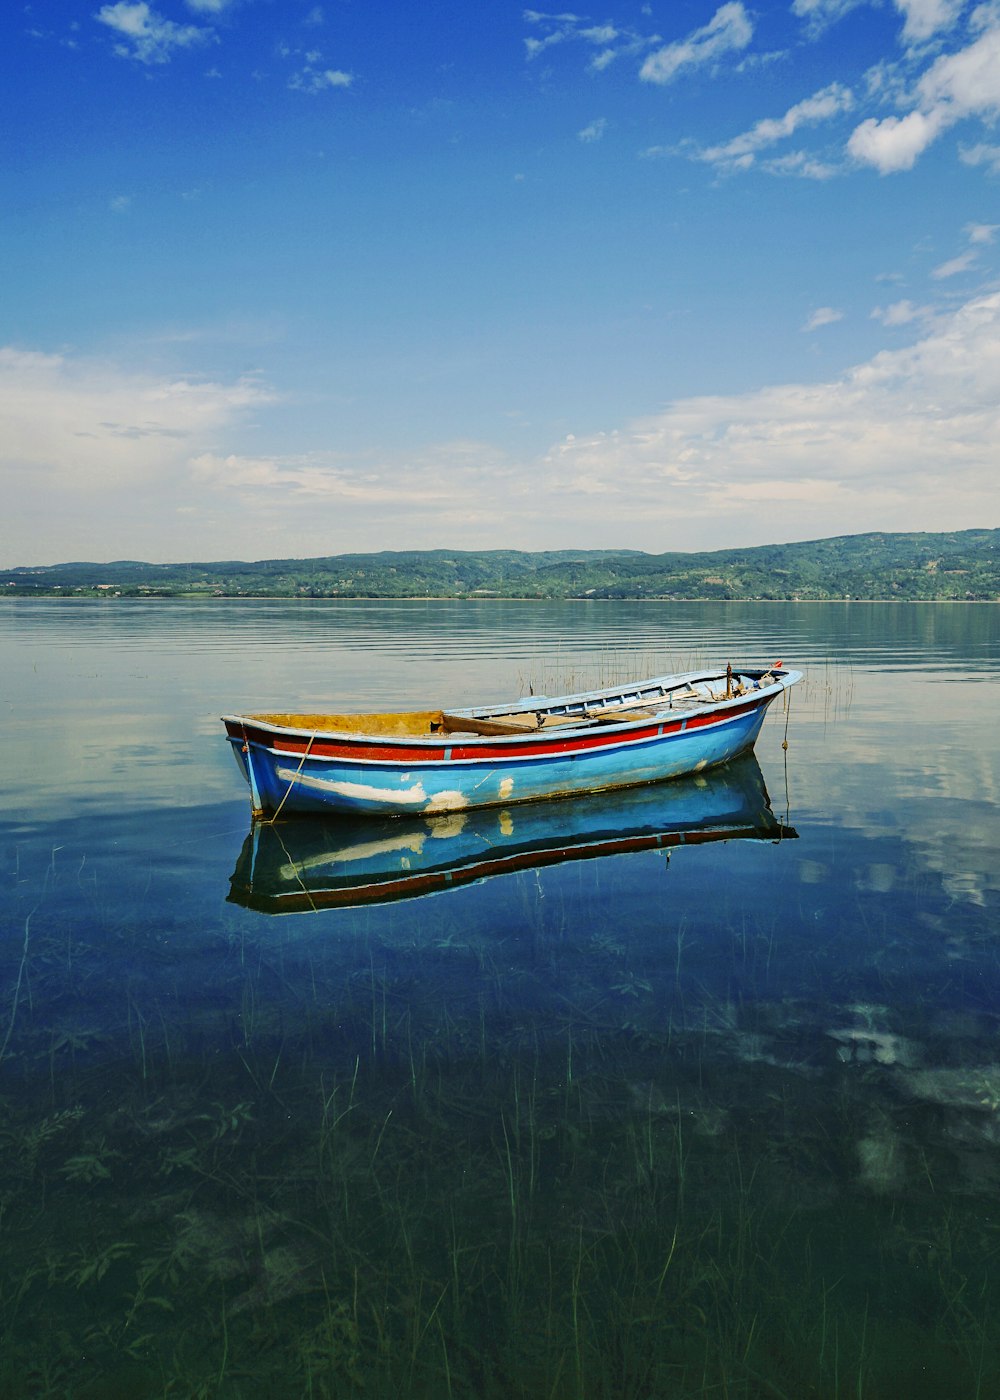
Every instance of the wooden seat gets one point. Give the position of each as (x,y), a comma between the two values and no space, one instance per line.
(627,712)
(530,723)
(489,725)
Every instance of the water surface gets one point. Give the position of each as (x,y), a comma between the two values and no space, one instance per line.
(711,1117)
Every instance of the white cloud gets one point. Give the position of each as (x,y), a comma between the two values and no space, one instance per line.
(955,86)
(968,79)
(461,491)
(829,102)
(922,18)
(981,154)
(908,440)
(209,7)
(900,313)
(800,163)
(533,47)
(601,34)
(979,236)
(925,18)
(894,143)
(88,425)
(627,45)
(963,263)
(147,36)
(762,59)
(730,29)
(819,14)
(321,477)
(611,41)
(310,79)
(594,130)
(540,17)
(823,316)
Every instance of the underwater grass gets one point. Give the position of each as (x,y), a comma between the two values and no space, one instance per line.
(546,1163)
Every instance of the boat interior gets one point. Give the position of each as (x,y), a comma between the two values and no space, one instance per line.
(615,705)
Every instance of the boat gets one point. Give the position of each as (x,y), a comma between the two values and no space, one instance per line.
(426,761)
(307,864)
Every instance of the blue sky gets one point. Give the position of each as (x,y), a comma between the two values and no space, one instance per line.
(288,278)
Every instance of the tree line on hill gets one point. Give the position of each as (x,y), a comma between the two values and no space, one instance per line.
(963,566)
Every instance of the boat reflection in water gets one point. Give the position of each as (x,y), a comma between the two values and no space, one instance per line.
(306,864)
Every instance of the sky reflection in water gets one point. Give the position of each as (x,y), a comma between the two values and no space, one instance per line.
(709,1117)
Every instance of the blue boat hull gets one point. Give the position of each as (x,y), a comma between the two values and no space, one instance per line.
(537,748)
(373,787)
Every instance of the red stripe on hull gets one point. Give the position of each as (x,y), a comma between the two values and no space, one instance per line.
(397,753)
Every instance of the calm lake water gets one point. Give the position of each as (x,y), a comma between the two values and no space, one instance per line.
(711,1117)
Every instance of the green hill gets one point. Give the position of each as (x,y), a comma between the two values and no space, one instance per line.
(963,565)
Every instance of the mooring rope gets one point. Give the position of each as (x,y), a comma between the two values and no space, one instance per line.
(295,868)
(292,780)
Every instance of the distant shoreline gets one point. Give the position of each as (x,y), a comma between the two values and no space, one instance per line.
(445,598)
(957,566)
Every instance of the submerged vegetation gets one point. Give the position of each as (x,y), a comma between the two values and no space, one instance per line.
(490,1151)
(962,565)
